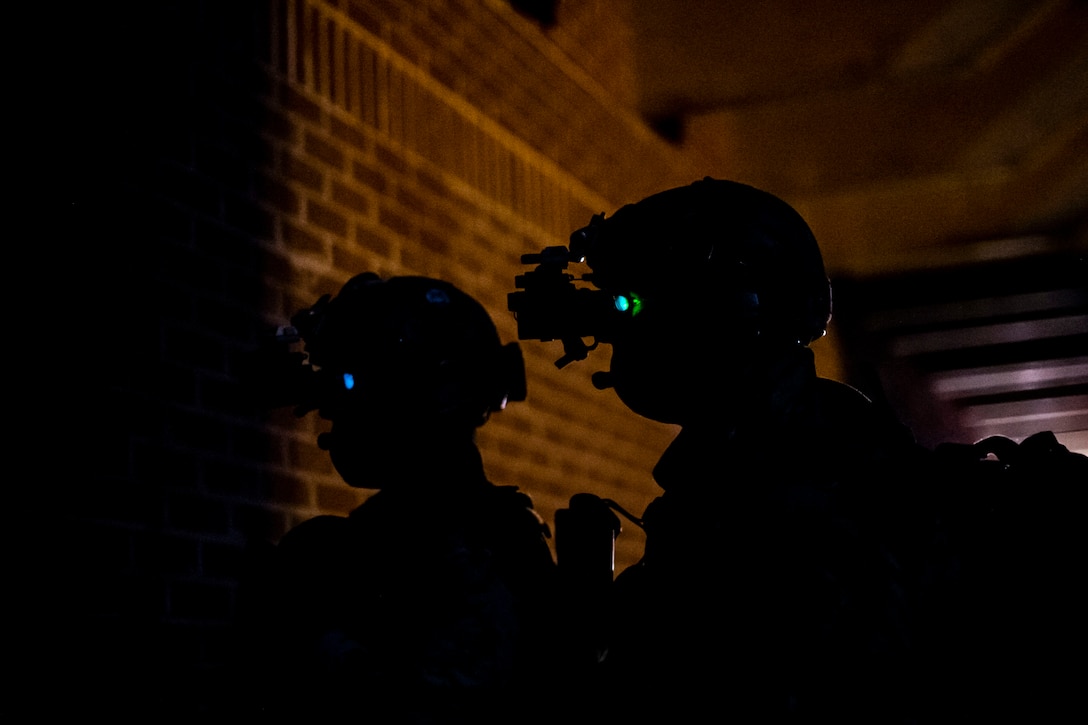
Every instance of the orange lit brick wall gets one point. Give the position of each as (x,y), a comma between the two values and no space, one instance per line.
(447,139)
(227,163)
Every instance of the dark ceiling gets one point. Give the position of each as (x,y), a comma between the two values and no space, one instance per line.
(961,100)
(939,149)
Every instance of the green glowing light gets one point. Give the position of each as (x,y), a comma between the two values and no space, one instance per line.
(632,303)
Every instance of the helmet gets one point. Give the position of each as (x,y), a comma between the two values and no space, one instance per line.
(739,260)
(410,346)
(717,281)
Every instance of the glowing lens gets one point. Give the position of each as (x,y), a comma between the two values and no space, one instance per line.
(629,303)
(349,381)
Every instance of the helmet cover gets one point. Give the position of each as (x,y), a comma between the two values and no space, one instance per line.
(738,258)
(411,342)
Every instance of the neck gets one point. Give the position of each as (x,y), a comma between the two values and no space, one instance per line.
(759,390)
(746,409)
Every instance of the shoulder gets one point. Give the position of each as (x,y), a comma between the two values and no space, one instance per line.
(850,417)
(517,534)
(314,532)
(316,541)
(845,405)
(511,505)
(509,498)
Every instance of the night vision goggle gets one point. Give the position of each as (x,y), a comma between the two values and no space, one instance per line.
(552,306)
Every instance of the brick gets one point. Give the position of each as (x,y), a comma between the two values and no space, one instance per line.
(351,198)
(290,490)
(136,598)
(156,465)
(299,299)
(412,201)
(259,523)
(279,266)
(432,184)
(254,444)
(176,383)
(307,457)
(436,242)
(447,73)
(224,165)
(214,202)
(320,149)
(194,347)
(295,169)
(221,561)
(367,87)
(197,430)
(184,186)
(235,479)
(373,242)
(186,272)
(233,245)
(223,317)
(199,600)
(430,32)
(326,218)
(191,512)
(440,19)
(243,284)
(281,196)
(165,554)
(350,135)
(363,13)
(280,125)
(337,498)
(407,44)
(299,105)
(370,177)
(328,281)
(352,260)
(332,38)
(390,159)
(298,239)
(247,215)
(421,261)
(172,224)
(395,221)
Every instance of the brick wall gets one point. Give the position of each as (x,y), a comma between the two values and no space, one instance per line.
(227,163)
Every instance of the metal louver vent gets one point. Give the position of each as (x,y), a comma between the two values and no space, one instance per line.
(960,354)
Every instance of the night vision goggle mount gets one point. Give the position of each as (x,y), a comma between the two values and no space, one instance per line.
(551,306)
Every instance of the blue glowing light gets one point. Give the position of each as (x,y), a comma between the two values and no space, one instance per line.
(349,381)
(437,297)
(629,303)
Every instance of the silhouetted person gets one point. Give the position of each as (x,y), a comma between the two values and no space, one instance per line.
(432,601)
(769,589)
(807,561)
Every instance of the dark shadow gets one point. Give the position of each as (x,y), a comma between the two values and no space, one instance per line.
(155,115)
(436,600)
(808,560)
